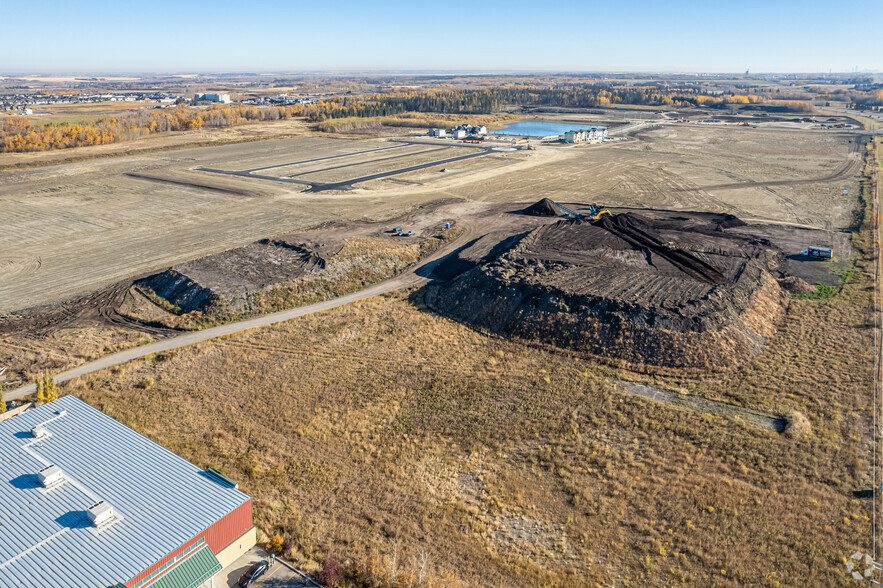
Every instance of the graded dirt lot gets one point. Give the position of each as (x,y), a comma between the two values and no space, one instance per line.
(71,229)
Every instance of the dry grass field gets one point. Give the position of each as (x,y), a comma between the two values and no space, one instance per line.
(514,466)
(80,113)
(25,355)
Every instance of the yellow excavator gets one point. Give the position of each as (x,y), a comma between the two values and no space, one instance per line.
(595,213)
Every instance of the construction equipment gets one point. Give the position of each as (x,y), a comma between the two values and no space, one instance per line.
(595,212)
(820,252)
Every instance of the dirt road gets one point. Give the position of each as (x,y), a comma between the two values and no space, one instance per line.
(413,278)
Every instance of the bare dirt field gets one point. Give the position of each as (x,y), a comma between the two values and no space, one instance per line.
(75,235)
(362,163)
(71,229)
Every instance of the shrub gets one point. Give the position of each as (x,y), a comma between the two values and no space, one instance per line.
(331,573)
(275,544)
(146,383)
(798,425)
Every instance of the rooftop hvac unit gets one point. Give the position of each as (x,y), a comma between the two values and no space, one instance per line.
(38,431)
(100,514)
(50,476)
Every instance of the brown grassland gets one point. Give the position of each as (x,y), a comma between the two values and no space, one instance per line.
(380,424)
(28,355)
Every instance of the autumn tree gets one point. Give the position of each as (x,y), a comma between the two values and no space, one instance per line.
(50,388)
(40,396)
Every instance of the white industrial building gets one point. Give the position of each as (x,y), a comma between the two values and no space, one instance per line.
(219,98)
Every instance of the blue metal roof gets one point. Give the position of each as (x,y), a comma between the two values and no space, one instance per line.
(161,500)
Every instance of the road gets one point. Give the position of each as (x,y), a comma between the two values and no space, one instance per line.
(634,126)
(416,277)
(348,184)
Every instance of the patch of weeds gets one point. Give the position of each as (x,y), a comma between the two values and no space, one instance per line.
(822,292)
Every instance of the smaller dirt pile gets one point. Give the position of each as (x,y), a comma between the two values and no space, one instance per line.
(232,275)
(547,207)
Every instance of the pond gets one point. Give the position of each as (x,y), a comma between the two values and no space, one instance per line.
(541,129)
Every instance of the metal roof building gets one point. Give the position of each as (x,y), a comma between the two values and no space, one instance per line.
(87,502)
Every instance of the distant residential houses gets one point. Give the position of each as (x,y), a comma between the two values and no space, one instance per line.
(590,135)
(479,132)
(21,102)
(460,131)
(280,100)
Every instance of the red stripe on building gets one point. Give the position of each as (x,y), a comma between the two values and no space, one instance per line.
(221,534)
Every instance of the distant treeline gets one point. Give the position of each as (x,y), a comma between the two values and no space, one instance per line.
(873,96)
(19,134)
(490,100)
(408,119)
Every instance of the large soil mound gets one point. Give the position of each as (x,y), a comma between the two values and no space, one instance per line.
(670,290)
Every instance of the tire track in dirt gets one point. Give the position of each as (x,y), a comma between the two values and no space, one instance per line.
(750,416)
(102,306)
(851,168)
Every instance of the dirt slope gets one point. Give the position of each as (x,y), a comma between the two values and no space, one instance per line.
(675,291)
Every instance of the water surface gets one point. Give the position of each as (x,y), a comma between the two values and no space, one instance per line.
(541,129)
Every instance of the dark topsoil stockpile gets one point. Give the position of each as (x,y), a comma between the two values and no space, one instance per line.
(232,275)
(544,207)
(548,207)
(666,290)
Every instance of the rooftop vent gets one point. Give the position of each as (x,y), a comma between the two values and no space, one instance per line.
(101,514)
(38,432)
(51,476)
(218,476)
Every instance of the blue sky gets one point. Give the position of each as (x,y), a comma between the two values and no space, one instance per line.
(166,36)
